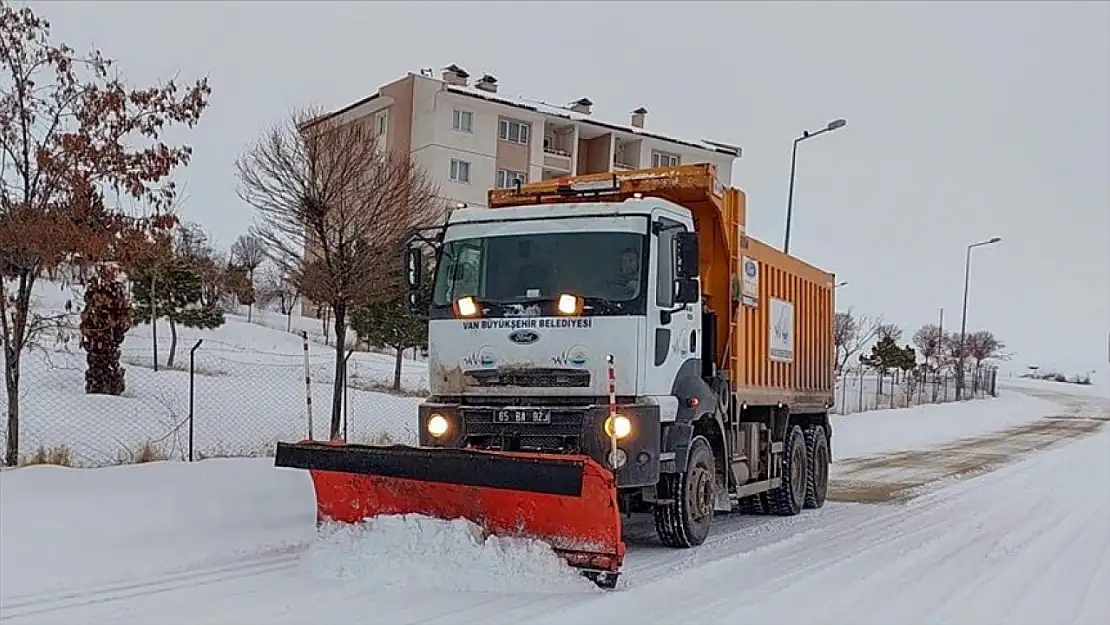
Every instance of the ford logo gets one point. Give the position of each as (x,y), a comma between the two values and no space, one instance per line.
(524,337)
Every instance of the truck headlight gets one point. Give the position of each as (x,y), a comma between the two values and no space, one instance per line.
(618,425)
(569,304)
(466,306)
(438,425)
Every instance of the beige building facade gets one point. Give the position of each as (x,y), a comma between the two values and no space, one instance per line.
(470,138)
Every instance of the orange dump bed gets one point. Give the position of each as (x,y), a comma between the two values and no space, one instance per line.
(784,337)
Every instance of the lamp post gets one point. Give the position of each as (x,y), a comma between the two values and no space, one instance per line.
(840,284)
(831,126)
(963,316)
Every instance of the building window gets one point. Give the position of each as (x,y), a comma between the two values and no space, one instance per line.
(513,131)
(460,170)
(463,121)
(664,159)
(506,179)
(381,123)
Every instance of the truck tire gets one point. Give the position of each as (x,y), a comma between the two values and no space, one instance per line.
(790,497)
(685,521)
(752,504)
(817,473)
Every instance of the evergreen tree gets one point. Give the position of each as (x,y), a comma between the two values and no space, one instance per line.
(886,355)
(178,297)
(391,324)
(105,319)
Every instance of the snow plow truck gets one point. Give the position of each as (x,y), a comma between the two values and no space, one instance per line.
(603,345)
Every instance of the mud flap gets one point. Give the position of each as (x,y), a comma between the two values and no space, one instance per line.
(569,502)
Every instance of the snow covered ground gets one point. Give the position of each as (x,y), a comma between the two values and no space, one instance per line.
(233,540)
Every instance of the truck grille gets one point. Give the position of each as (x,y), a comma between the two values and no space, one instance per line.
(534,378)
(563,433)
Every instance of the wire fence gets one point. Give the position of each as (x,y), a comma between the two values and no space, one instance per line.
(214,400)
(861,390)
(224,400)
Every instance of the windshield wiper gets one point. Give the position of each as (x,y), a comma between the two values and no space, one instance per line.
(606,305)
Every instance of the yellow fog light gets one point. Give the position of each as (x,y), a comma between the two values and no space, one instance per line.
(438,425)
(568,304)
(618,425)
(466,306)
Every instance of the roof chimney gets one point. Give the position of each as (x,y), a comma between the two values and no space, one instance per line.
(487,83)
(455,75)
(638,117)
(581,106)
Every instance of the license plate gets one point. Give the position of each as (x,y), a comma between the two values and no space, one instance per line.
(523,415)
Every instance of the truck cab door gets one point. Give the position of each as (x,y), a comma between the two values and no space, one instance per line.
(673,330)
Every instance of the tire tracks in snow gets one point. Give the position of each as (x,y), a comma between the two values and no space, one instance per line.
(901,476)
(206,574)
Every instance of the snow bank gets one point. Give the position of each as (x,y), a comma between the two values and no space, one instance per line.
(886,431)
(61,527)
(413,551)
(1098,388)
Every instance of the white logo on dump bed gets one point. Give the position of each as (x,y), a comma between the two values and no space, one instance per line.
(782,330)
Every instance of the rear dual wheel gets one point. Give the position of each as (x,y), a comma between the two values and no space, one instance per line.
(817,475)
(790,497)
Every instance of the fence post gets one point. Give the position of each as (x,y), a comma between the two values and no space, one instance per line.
(345,359)
(860,380)
(307,384)
(192,391)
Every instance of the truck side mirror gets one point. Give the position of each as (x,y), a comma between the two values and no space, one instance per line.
(686,255)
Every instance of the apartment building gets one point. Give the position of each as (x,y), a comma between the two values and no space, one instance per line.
(470,138)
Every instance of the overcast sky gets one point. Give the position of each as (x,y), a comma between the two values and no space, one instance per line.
(965,121)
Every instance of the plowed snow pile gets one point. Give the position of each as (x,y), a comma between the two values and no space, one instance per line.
(414,551)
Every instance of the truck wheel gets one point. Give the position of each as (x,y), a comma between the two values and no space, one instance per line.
(817,474)
(685,521)
(752,504)
(789,498)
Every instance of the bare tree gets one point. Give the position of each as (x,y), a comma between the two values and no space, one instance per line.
(851,334)
(952,353)
(249,252)
(278,286)
(929,339)
(983,345)
(334,206)
(887,330)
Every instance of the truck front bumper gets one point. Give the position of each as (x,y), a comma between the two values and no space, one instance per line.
(572,428)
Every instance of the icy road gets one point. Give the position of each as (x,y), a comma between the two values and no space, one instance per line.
(995,511)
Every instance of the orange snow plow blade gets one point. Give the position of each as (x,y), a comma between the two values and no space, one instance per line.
(569,502)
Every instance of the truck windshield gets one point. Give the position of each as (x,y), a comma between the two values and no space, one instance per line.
(606,268)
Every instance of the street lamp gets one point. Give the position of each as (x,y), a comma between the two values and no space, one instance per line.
(963,315)
(829,127)
(840,284)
